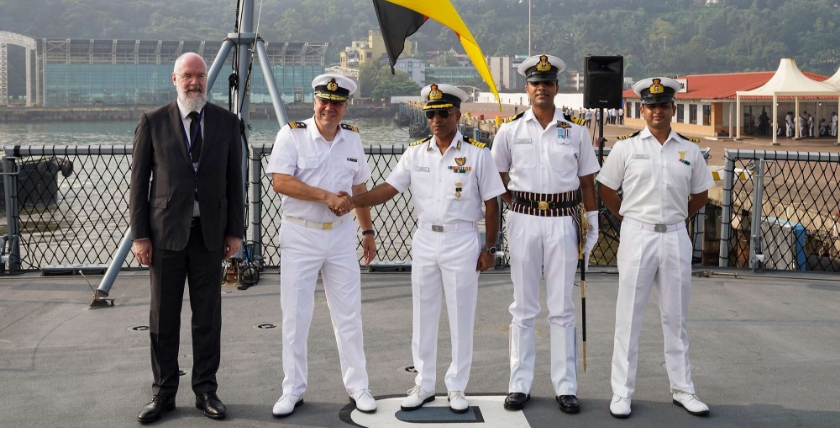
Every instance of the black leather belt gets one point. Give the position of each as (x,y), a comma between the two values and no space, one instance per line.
(195,222)
(543,205)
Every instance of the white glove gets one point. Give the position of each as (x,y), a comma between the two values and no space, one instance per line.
(591,234)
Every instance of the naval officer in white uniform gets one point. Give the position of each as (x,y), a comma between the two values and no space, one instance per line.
(311,162)
(450,177)
(549,160)
(665,181)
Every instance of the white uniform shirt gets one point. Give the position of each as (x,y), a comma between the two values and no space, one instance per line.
(541,161)
(433,179)
(333,166)
(657,179)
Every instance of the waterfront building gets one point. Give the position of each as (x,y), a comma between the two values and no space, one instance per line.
(94,72)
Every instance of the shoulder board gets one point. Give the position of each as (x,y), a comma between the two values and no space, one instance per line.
(478,144)
(297,125)
(574,119)
(418,142)
(349,127)
(512,118)
(693,140)
(624,137)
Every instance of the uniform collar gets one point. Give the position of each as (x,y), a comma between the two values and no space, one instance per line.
(457,141)
(646,133)
(529,115)
(314,133)
(183,110)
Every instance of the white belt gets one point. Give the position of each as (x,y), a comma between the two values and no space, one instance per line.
(446,227)
(314,225)
(661,228)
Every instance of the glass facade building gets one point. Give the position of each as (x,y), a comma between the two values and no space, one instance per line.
(87,73)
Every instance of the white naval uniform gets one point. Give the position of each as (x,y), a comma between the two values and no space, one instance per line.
(538,160)
(834,125)
(443,263)
(788,126)
(657,182)
(301,151)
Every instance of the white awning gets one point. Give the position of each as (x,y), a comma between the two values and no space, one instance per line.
(789,80)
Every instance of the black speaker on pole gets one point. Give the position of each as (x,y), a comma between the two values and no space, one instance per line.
(603,81)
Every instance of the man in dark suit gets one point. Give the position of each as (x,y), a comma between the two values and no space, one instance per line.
(184,223)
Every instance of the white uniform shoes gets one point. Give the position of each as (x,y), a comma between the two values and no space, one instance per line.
(365,402)
(691,403)
(457,402)
(620,407)
(417,398)
(286,405)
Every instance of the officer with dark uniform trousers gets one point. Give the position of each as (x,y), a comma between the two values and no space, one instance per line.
(665,181)
(311,164)
(450,176)
(548,156)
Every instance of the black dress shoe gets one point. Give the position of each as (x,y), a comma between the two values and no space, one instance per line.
(516,400)
(212,406)
(568,403)
(154,410)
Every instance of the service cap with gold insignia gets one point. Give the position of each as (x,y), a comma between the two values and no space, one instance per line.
(442,96)
(333,87)
(541,68)
(656,90)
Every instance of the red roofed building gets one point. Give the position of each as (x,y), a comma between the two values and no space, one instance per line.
(706,104)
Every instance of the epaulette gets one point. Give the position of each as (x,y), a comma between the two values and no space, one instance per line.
(349,127)
(478,144)
(418,142)
(574,119)
(297,125)
(512,118)
(693,140)
(624,137)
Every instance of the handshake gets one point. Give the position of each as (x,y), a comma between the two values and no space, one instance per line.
(340,204)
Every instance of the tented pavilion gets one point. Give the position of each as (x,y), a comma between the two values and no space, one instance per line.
(789,82)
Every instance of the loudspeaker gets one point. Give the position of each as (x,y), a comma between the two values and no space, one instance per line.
(603,81)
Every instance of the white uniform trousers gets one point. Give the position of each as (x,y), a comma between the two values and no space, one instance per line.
(536,244)
(647,258)
(303,253)
(443,265)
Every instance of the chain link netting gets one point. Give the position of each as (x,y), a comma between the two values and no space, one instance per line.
(799,213)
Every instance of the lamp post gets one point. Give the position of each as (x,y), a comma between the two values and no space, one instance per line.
(529,27)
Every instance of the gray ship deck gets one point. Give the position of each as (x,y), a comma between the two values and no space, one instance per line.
(764,351)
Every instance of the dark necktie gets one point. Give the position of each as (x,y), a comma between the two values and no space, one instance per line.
(195,129)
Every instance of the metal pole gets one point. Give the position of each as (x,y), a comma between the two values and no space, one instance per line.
(114,269)
(756,255)
(256,201)
(601,139)
(218,63)
(10,184)
(268,74)
(699,223)
(529,28)
(726,210)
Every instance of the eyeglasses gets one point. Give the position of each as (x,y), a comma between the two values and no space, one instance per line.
(430,114)
(188,77)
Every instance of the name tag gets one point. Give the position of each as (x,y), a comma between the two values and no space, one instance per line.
(421,169)
(641,156)
(522,141)
(352,159)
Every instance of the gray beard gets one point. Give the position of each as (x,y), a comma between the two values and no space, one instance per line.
(192,104)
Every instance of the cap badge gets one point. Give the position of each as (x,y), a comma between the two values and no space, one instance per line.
(657,87)
(332,86)
(435,93)
(543,65)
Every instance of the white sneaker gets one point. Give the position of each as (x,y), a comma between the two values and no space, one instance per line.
(691,403)
(365,402)
(286,405)
(620,407)
(457,402)
(416,398)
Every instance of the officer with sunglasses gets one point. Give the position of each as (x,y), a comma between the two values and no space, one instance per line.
(312,163)
(450,176)
(549,161)
(665,181)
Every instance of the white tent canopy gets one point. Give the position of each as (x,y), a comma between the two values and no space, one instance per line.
(834,80)
(790,81)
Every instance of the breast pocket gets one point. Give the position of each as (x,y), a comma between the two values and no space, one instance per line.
(350,169)
(308,162)
(563,157)
(679,175)
(524,156)
(638,173)
(459,187)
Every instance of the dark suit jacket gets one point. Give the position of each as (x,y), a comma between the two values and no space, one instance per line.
(162,209)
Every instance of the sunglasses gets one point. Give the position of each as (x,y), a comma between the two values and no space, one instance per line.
(442,113)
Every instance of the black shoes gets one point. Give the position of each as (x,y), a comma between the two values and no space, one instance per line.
(211,405)
(568,403)
(155,409)
(516,400)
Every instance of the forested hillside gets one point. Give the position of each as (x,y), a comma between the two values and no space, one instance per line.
(655,36)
